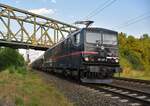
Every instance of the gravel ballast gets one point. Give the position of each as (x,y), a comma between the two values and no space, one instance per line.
(83,96)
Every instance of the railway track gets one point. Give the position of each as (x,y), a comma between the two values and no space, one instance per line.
(133,80)
(135,97)
(132,96)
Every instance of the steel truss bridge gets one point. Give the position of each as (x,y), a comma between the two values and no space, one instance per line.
(23,29)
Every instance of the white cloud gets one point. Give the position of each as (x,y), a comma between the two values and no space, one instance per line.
(43,11)
(17,1)
(53,1)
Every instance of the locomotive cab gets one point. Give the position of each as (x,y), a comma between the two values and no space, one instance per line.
(100,56)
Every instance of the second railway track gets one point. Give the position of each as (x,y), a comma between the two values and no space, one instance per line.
(146,82)
(135,97)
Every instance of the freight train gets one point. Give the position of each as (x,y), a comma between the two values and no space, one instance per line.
(89,55)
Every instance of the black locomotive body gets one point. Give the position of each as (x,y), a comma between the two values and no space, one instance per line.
(38,63)
(89,54)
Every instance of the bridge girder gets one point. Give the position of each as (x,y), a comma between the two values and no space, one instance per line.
(24,29)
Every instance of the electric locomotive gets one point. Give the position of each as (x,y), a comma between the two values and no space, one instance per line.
(89,54)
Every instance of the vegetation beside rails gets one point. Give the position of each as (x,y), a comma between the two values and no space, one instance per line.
(135,56)
(10,57)
(25,88)
(130,73)
(20,86)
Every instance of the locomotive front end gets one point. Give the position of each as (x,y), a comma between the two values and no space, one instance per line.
(100,56)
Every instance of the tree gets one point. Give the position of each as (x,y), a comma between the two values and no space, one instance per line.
(10,57)
(145,36)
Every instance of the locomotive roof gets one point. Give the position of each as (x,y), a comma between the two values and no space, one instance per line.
(98,29)
(89,28)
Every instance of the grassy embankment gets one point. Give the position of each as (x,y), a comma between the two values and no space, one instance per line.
(21,87)
(130,73)
(28,89)
(135,56)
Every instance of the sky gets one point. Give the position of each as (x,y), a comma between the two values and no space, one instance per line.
(115,16)
(111,17)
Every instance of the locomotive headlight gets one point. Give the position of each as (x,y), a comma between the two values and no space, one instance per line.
(116,60)
(86,59)
(102,47)
(99,59)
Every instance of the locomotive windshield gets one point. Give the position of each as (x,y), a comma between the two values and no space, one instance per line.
(93,37)
(109,39)
(103,38)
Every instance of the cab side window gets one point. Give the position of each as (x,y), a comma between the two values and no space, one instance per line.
(77,39)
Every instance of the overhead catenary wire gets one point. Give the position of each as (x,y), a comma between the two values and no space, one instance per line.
(136,21)
(96,9)
(133,21)
(99,9)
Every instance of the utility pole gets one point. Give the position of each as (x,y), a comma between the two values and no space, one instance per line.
(27,54)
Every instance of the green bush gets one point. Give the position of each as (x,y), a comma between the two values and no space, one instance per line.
(10,57)
(135,52)
(134,59)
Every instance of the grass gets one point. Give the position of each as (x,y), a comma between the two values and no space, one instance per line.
(28,89)
(136,74)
